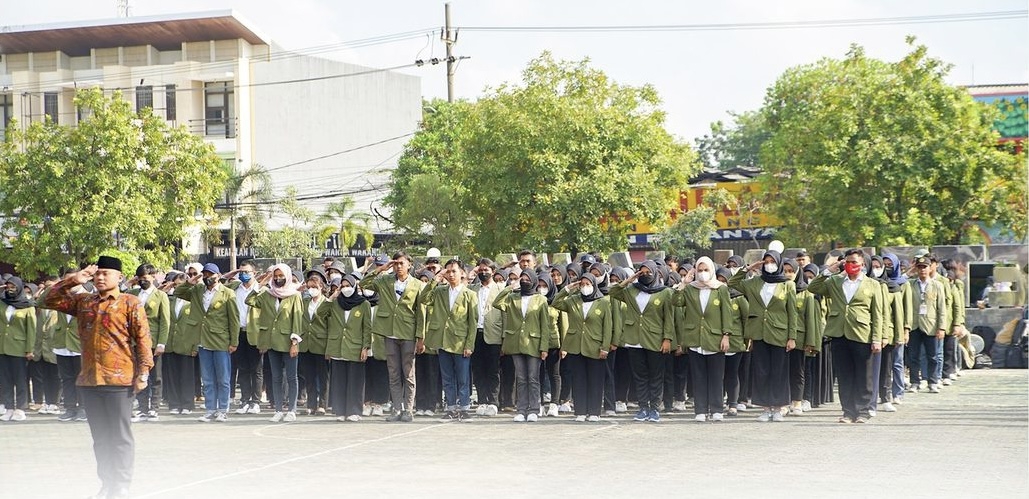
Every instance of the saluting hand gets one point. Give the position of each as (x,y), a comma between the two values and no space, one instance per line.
(85,275)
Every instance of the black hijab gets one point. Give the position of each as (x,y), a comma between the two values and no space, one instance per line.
(727,274)
(19,301)
(426,273)
(534,282)
(349,302)
(596,288)
(655,283)
(545,278)
(573,268)
(603,284)
(738,260)
(777,276)
(894,278)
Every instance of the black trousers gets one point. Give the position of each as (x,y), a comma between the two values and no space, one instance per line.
(110,413)
(316,379)
(46,382)
(346,387)
(14,382)
(587,383)
(249,364)
(852,363)
(507,381)
(609,380)
(708,372)
(731,379)
(430,385)
(770,375)
(950,345)
(150,397)
(648,372)
(178,383)
(376,389)
(797,374)
(625,387)
(683,382)
(556,373)
(811,378)
(565,393)
(68,368)
(886,374)
(668,393)
(485,363)
(746,382)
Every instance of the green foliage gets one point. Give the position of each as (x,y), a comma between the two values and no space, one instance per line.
(295,238)
(559,162)
(736,145)
(340,217)
(869,152)
(691,230)
(119,180)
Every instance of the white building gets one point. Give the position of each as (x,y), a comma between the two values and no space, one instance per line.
(312,122)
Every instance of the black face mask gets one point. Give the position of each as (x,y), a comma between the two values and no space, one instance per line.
(485,277)
(144,284)
(210,281)
(10,294)
(646,279)
(526,287)
(280,283)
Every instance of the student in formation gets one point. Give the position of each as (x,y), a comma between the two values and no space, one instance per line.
(158,312)
(348,317)
(215,318)
(281,331)
(902,304)
(928,326)
(586,344)
(17,341)
(68,350)
(247,361)
(426,365)
(48,390)
(528,327)
(453,317)
(647,334)
(312,361)
(183,342)
(737,345)
(488,334)
(809,340)
(705,334)
(772,328)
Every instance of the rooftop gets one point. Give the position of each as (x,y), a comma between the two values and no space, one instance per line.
(164,32)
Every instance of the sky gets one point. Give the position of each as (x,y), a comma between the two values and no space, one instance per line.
(700,75)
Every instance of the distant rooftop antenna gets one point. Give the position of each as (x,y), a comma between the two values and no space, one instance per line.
(124,10)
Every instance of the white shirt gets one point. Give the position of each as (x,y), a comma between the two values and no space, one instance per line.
(525,305)
(767,291)
(399,286)
(641,300)
(208,298)
(242,292)
(705,295)
(10,313)
(586,306)
(179,305)
(850,286)
(483,303)
(144,294)
(454,293)
(313,306)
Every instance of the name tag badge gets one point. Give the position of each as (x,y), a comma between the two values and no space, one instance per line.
(923,309)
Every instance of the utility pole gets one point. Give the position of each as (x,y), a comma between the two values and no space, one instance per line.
(449,41)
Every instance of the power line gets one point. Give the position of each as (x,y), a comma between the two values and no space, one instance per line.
(337,153)
(815,24)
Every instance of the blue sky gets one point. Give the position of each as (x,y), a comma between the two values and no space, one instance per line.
(700,75)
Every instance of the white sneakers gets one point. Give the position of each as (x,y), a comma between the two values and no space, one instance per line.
(419,413)
(185,412)
(620,406)
(766,416)
(805,405)
(580,418)
(934,388)
(717,416)
(491,410)
(277,417)
(377,410)
(700,418)
(679,405)
(290,417)
(19,415)
(887,407)
(946,382)
(7,415)
(206,418)
(796,411)
(243,409)
(354,418)
(565,407)
(481,410)
(519,418)
(741,407)
(221,417)
(532,418)
(552,411)
(593,419)
(778,417)
(610,413)
(48,409)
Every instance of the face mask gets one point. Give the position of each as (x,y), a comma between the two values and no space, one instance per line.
(210,281)
(314,292)
(771,268)
(646,279)
(10,294)
(544,290)
(586,291)
(526,287)
(347,291)
(734,270)
(852,268)
(245,277)
(279,283)
(144,284)
(369,293)
(703,276)
(485,277)
(877,272)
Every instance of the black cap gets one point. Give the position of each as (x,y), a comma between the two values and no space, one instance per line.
(109,262)
(922,260)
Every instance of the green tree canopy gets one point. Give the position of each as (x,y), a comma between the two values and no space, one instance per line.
(870,152)
(735,144)
(559,162)
(118,180)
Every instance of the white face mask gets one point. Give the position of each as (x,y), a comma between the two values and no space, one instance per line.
(771,268)
(544,290)
(703,276)
(314,292)
(586,290)
(734,270)
(347,291)
(877,272)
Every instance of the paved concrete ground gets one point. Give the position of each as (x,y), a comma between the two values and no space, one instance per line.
(970,440)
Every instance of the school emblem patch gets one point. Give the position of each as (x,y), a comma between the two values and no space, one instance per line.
(735,306)
(598,312)
(657,301)
(357,313)
(217,305)
(717,302)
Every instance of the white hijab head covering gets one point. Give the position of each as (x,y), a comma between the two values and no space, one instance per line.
(289,289)
(711,283)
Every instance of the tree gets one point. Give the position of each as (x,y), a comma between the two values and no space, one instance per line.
(248,197)
(729,146)
(870,152)
(691,230)
(340,217)
(295,238)
(118,180)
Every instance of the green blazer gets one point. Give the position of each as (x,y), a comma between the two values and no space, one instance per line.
(182,339)
(957,308)
(738,318)
(218,326)
(17,336)
(493,325)
(809,321)
(704,329)
(66,333)
(451,329)
(400,317)
(279,321)
(859,320)
(347,336)
(316,329)
(893,326)
(528,334)
(935,300)
(618,311)
(46,321)
(948,298)
(157,314)
(775,323)
(650,327)
(253,314)
(590,334)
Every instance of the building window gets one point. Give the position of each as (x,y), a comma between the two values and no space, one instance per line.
(50,105)
(144,98)
(6,113)
(169,102)
(219,110)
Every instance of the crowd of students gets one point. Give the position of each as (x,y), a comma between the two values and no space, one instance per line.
(585,339)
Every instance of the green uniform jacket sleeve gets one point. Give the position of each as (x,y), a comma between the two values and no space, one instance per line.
(908,302)
(472,319)
(725,303)
(959,304)
(808,307)
(163,319)
(791,310)
(547,327)
(500,302)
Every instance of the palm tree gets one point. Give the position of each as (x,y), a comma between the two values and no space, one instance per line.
(340,217)
(248,199)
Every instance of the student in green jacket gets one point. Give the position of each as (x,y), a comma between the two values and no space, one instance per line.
(348,318)
(928,305)
(17,341)
(737,345)
(400,320)
(586,344)
(855,326)
(706,333)
(528,327)
(808,335)
(772,327)
(281,330)
(452,321)
(485,361)
(427,378)
(180,352)
(155,303)
(312,361)
(647,334)
(214,317)
(48,391)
